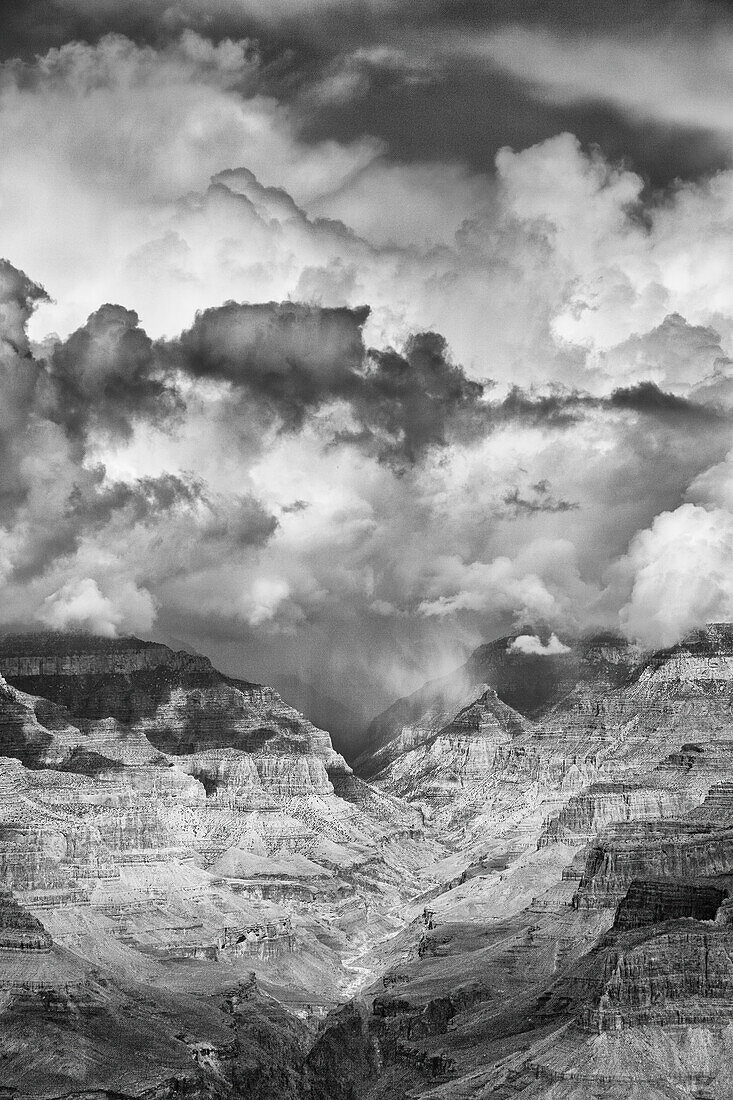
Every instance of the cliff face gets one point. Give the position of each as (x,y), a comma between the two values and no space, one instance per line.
(529,683)
(165,824)
(531,900)
(588,921)
(476,741)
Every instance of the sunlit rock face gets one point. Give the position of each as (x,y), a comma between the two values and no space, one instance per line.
(529,683)
(530,898)
(610,716)
(169,755)
(581,946)
(165,824)
(477,741)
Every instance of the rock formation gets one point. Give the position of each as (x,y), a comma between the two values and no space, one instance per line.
(155,816)
(612,801)
(532,896)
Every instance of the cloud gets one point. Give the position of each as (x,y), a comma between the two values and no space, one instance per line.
(682,578)
(80,605)
(419,399)
(301,490)
(541,500)
(292,356)
(295,359)
(294,450)
(655,76)
(531,644)
(646,397)
(542,582)
(378,203)
(202,190)
(670,355)
(105,375)
(123,131)
(19,296)
(202,15)
(78,547)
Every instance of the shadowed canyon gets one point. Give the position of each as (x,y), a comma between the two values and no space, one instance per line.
(522,887)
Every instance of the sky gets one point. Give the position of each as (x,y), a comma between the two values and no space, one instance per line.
(340,336)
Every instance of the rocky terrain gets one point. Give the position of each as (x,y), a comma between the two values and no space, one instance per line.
(581,948)
(170,837)
(530,894)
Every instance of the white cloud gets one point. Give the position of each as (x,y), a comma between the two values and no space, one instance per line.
(99,139)
(682,576)
(81,605)
(531,644)
(541,581)
(539,273)
(264,599)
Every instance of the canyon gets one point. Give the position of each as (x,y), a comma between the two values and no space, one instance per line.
(521,887)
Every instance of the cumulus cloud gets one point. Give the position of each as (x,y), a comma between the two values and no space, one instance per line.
(105,375)
(531,644)
(80,605)
(294,454)
(121,131)
(202,191)
(339,492)
(292,356)
(682,578)
(673,355)
(79,547)
(541,582)
(543,269)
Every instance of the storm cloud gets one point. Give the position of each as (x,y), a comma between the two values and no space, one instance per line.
(298,483)
(327,392)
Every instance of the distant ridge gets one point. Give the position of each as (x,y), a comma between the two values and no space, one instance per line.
(61,642)
(529,683)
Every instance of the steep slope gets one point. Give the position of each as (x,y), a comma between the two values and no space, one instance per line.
(585,948)
(528,682)
(527,906)
(163,824)
(476,741)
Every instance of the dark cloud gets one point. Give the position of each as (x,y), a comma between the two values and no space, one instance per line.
(19,380)
(289,356)
(106,378)
(106,375)
(19,296)
(464,110)
(241,523)
(440,536)
(291,360)
(540,500)
(648,398)
(294,358)
(419,399)
(560,408)
(91,505)
(94,503)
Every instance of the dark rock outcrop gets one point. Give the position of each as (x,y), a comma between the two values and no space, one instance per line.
(655,902)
